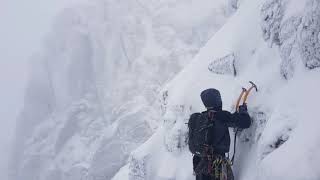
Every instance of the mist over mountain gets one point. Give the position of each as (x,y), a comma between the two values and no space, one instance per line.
(113,85)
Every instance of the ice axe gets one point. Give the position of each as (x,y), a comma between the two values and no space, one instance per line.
(253,86)
(244,90)
(245,93)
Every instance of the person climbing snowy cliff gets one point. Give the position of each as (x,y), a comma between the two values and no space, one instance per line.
(209,137)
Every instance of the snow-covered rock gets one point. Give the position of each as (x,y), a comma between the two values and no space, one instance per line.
(296,32)
(282,113)
(271,15)
(92,97)
(224,65)
(105,100)
(289,48)
(310,35)
(138,168)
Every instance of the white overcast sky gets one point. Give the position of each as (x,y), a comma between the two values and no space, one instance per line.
(23,24)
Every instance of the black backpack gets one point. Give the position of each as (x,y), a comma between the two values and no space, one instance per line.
(199,125)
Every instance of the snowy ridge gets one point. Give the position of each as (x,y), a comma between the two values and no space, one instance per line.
(283,137)
(110,92)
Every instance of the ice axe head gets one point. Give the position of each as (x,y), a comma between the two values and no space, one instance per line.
(253,85)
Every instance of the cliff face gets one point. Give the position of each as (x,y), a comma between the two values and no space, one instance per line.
(92,97)
(116,81)
(274,44)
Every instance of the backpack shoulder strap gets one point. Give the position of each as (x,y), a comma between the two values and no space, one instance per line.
(195,114)
(209,116)
(193,117)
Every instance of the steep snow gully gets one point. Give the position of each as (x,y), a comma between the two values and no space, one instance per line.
(111,93)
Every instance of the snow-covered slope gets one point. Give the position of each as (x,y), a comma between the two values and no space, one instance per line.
(92,97)
(275,44)
(105,100)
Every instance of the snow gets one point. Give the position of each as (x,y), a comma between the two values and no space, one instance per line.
(111,93)
(92,97)
(282,110)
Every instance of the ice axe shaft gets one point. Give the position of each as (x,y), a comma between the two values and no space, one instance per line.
(244,94)
(244,90)
(253,86)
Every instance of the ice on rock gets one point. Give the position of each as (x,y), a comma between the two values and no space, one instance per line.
(177,129)
(289,47)
(297,35)
(234,4)
(271,17)
(309,35)
(224,65)
(176,140)
(132,130)
(138,168)
(163,101)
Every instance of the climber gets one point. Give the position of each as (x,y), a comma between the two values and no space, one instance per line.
(209,138)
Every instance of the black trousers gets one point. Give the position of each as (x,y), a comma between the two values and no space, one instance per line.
(204,177)
(196,161)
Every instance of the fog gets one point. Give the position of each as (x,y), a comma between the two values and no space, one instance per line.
(23,26)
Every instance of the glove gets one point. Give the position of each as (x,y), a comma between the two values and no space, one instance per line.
(243,108)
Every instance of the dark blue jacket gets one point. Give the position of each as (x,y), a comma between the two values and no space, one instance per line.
(219,134)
